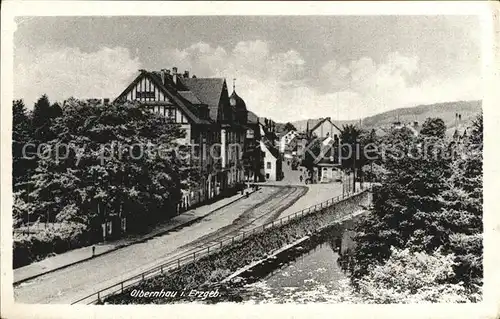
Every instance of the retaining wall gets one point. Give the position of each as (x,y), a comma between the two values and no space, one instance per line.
(212,269)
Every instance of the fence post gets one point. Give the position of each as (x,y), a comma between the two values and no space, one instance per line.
(122,286)
(161,271)
(194,256)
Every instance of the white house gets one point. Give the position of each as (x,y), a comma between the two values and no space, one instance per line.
(286,139)
(272,162)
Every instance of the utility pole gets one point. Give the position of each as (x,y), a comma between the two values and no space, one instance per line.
(354,169)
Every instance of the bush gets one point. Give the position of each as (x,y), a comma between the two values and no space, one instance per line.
(55,238)
(414,277)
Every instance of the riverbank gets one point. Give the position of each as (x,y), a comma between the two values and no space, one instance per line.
(206,272)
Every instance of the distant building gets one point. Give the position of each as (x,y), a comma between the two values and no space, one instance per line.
(413,126)
(253,156)
(272,161)
(286,139)
(327,166)
(323,129)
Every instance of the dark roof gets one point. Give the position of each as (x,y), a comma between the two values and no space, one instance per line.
(177,98)
(237,102)
(189,109)
(273,150)
(252,117)
(268,134)
(207,90)
(321,122)
(190,96)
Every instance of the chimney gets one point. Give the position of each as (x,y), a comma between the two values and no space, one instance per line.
(186,74)
(174,74)
(163,76)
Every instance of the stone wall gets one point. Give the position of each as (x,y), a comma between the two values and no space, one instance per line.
(210,270)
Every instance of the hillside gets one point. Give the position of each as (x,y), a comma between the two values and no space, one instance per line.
(445,111)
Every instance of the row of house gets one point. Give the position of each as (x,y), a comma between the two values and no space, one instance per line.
(212,119)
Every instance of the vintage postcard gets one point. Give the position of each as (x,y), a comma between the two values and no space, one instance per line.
(242,160)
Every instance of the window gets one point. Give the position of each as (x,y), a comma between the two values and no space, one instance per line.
(267,176)
(145,94)
(170,115)
(268,165)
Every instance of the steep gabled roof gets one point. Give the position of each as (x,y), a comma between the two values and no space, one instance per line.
(189,109)
(321,122)
(252,118)
(190,96)
(208,91)
(270,147)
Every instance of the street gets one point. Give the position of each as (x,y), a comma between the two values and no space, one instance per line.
(77,281)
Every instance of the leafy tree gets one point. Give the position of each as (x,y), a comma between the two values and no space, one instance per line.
(21,134)
(410,277)
(433,127)
(352,151)
(42,116)
(55,110)
(406,205)
(289,127)
(104,166)
(427,203)
(463,210)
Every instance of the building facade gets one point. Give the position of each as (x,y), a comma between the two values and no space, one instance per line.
(214,122)
(323,129)
(272,164)
(286,139)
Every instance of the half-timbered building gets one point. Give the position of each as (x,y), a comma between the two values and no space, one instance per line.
(214,122)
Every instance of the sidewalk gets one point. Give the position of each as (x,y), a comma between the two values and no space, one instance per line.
(75,256)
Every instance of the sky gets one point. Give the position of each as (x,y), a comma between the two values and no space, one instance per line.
(286,67)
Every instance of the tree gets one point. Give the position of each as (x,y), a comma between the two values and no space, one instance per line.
(41,120)
(463,208)
(289,127)
(55,111)
(351,150)
(410,277)
(406,205)
(433,127)
(425,204)
(112,159)
(21,134)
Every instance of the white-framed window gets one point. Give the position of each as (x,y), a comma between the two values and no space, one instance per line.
(267,176)
(269,165)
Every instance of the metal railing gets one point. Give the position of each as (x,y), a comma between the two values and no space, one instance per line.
(173,265)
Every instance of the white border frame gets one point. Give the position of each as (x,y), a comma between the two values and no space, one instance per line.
(489,15)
